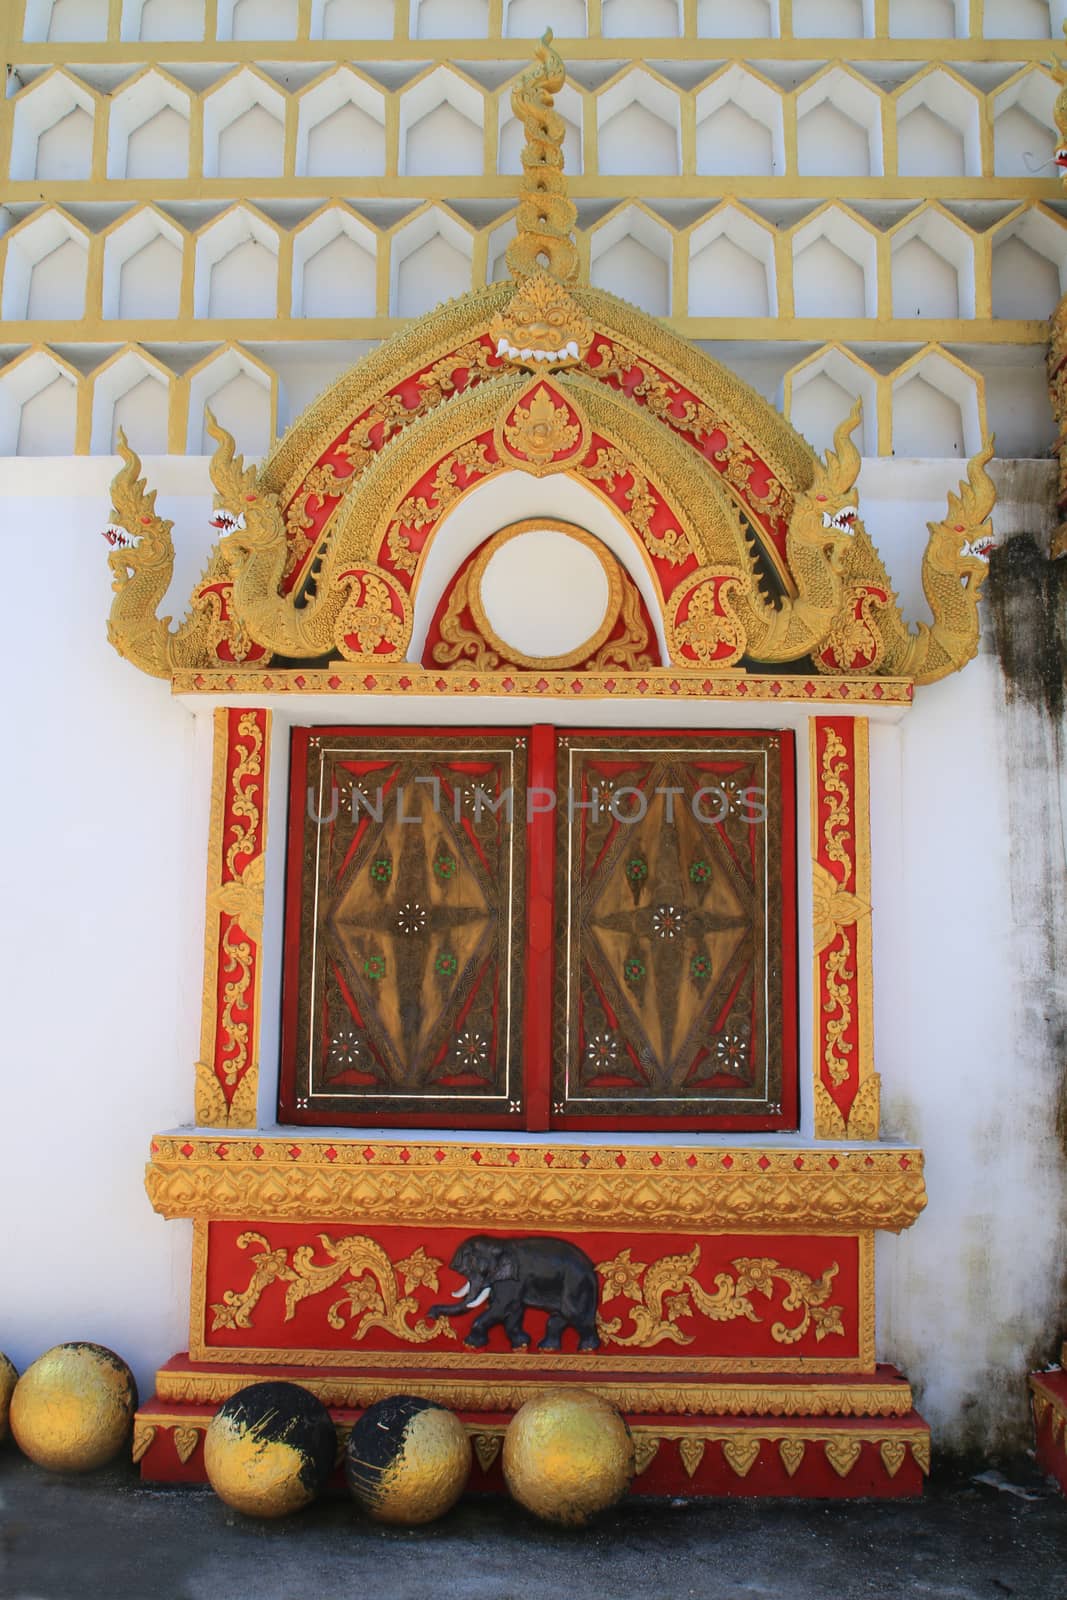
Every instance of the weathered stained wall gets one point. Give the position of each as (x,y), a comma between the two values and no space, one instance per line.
(105,822)
(970,921)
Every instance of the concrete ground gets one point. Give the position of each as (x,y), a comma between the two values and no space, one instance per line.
(104,1535)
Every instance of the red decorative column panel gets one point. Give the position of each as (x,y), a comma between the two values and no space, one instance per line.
(227,1074)
(846,1084)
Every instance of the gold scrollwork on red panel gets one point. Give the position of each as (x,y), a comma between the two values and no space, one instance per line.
(419,513)
(751,481)
(663,1292)
(846,1085)
(228,1070)
(544,431)
(375,621)
(377,1294)
(703,629)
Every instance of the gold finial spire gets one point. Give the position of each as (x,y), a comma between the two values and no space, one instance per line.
(545,240)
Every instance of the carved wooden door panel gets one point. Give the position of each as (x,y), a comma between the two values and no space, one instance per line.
(675,994)
(586,930)
(405,918)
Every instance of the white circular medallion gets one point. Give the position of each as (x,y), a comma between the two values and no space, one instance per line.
(546,592)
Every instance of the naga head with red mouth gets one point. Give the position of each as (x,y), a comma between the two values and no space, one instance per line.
(826,513)
(119,538)
(225,521)
(979,549)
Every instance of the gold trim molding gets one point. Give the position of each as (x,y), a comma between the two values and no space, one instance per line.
(758,1398)
(265,1178)
(660,683)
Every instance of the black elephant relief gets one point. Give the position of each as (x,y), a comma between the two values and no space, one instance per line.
(508,1275)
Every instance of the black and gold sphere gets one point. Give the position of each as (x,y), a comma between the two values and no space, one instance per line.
(9,1376)
(407,1460)
(73,1407)
(269,1449)
(567,1455)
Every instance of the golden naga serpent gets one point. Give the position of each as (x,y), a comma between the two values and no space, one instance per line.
(546,215)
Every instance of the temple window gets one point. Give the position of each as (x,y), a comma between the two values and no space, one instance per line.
(423,981)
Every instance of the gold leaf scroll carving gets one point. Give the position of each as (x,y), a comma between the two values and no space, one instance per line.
(539,431)
(243,808)
(832,908)
(843,1454)
(635,648)
(369,614)
(837,830)
(662,1293)
(456,638)
(378,1295)
(144,1435)
(486,1448)
(235,959)
(741,1454)
(662,398)
(609,468)
(391,415)
(236,833)
(185,1442)
(710,621)
(417,513)
(839,977)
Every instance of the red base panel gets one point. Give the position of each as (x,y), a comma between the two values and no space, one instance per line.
(750,1454)
(1048,1396)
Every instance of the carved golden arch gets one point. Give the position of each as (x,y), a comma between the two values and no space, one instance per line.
(734,404)
(306,570)
(735,476)
(706,522)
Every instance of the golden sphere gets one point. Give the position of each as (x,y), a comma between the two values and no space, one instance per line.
(269,1449)
(567,1455)
(9,1376)
(407,1460)
(72,1408)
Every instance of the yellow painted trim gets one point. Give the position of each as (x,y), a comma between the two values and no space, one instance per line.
(284,329)
(590,47)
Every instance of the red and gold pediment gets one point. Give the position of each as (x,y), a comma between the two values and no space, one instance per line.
(756,554)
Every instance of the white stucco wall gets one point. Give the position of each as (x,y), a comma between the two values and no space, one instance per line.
(104,823)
